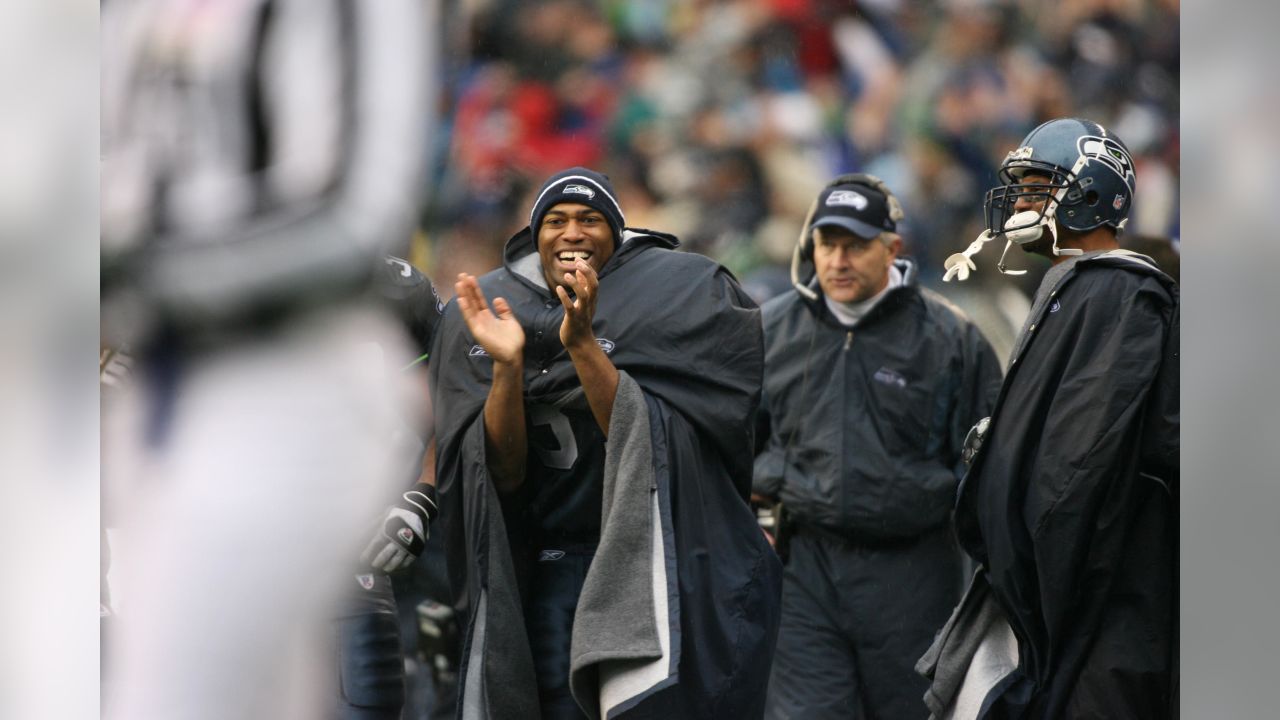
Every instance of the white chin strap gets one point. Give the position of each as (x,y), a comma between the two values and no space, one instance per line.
(961,264)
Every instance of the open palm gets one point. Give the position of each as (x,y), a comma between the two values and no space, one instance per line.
(497,330)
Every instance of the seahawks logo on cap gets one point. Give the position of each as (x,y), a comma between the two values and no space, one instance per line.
(579,190)
(853,199)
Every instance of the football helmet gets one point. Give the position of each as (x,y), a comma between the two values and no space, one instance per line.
(1089,182)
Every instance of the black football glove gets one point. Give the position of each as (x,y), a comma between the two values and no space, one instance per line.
(404,531)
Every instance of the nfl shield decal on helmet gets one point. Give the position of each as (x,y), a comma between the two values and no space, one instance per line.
(366,581)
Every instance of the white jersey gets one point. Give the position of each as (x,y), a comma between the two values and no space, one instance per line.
(257,150)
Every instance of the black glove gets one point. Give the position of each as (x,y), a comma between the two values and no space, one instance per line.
(404,531)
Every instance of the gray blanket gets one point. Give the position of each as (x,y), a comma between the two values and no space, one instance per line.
(972,654)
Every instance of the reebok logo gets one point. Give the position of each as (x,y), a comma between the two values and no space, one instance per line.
(550,555)
(855,200)
(889,377)
(477,351)
(579,190)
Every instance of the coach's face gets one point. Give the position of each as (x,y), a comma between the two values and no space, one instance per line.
(571,231)
(851,268)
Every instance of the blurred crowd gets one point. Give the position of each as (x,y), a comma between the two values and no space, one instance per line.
(719,120)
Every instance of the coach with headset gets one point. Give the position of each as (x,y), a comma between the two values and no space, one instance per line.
(871,384)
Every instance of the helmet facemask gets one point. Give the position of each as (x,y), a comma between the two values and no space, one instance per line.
(1019,228)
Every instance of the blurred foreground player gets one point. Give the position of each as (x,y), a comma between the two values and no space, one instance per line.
(258,159)
(1070,505)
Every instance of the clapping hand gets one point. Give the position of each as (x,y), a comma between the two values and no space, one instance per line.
(575,331)
(496,330)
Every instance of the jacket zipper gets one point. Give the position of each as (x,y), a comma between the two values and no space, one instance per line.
(848,339)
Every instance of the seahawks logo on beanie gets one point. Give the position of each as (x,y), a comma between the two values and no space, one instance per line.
(584,187)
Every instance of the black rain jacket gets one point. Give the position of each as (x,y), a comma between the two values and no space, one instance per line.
(1071,502)
(865,425)
(678,325)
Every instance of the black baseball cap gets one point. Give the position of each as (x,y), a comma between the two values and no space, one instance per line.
(858,208)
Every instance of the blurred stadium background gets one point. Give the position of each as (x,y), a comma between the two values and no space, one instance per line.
(719,120)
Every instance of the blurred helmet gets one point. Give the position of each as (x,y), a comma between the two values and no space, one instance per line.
(1090,180)
(258,153)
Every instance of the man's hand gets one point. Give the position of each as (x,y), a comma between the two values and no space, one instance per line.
(404,531)
(575,331)
(497,330)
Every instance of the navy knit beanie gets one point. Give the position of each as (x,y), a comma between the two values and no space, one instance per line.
(582,186)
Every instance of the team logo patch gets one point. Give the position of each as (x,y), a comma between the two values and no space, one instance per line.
(853,199)
(550,555)
(889,377)
(477,351)
(366,581)
(606,345)
(405,534)
(579,190)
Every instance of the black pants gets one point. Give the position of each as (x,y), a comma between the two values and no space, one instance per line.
(557,582)
(854,621)
(370,662)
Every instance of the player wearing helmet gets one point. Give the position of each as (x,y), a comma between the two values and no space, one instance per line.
(871,383)
(1070,503)
(1065,190)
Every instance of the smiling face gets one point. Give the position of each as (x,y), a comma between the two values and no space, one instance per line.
(851,268)
(570,231)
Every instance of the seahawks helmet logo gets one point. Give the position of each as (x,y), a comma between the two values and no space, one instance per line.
(579,190)
(1110,154)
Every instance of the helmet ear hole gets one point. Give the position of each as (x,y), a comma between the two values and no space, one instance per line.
(1091,198)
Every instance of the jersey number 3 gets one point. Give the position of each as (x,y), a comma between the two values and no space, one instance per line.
(565,453)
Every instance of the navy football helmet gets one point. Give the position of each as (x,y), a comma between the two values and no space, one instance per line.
(1088,182)
(1090,178)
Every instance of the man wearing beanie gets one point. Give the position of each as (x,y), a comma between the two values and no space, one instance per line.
(871,384)
(621,579)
